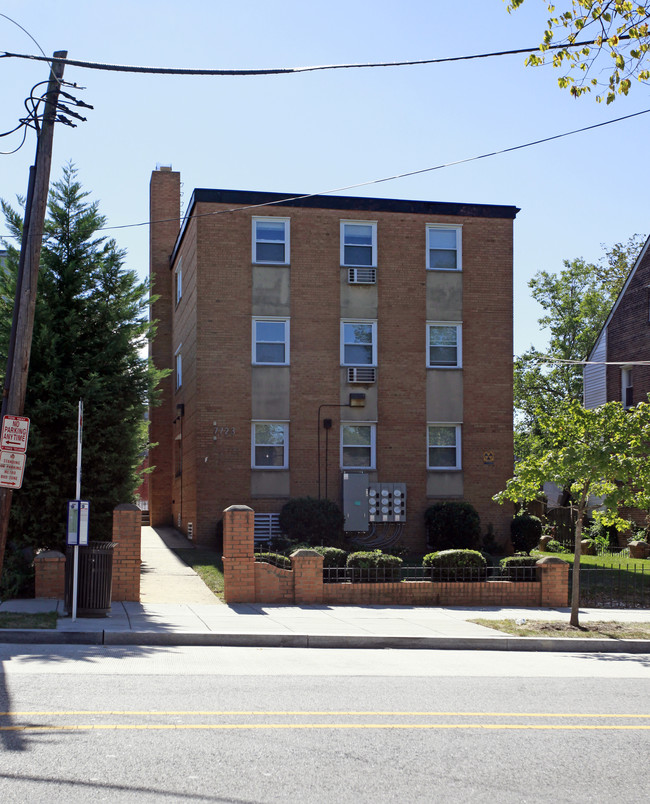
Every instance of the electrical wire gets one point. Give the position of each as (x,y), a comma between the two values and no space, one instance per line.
(386,178)
(124,68)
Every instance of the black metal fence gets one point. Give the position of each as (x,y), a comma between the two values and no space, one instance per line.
(433,574)
(625,586)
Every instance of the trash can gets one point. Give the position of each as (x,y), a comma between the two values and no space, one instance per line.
(94,581)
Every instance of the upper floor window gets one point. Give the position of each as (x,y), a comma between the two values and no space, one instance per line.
(269,445)
(179,367)
(271,240)
(357,446)
(271,341)
(444,248)
(359,244)
(358,343)
(443,446)
(178,280)
(627,388)
(444,345)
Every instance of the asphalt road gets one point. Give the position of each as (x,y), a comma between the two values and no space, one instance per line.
(82,724)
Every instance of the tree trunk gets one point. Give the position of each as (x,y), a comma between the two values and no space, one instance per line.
(575,584)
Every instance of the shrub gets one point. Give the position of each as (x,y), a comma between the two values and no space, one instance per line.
(519,568)
(452,525)
(17,579)
(525,532)
(373,565)
(605,536)
(310,520)
(332,556)
(274,558)
(456,565)
(556,547)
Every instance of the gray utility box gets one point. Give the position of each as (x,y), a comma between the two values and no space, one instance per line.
(365,502)
(387,502)
(355,501)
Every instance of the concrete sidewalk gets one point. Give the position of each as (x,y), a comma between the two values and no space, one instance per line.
(176,608)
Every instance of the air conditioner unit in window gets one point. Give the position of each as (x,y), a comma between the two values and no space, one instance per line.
(362,276)
(364,374)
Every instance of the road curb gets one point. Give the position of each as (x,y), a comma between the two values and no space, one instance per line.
(324,641)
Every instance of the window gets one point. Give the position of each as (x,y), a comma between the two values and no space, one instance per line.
(627,388)
(357,446)
(178,276)
(443,446)
(270,445)
(358,343)
(271,240)
(179,367)
(271,341)
(443,248)
(444,345)
(359,244)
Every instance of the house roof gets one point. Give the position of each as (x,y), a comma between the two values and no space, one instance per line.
(622,292)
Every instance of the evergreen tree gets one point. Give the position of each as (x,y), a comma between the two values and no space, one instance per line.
(90,327)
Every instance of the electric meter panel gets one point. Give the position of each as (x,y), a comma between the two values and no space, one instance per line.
(387,502)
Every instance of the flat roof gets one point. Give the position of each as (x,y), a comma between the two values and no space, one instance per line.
(252,198)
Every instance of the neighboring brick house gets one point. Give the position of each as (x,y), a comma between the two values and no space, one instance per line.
(330,346)
(615,367)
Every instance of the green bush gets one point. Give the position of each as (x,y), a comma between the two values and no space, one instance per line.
(313,521)
(456,565)
(519,568)
(17,579)
(373,566)
(332,556)
(525,532)
(605,536)
(274,558)
(556,547)
(453,525)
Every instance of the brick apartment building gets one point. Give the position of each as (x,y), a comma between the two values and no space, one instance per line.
(358,349)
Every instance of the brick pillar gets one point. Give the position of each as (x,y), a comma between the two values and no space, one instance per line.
(554,581)
(307,566)
(127,526)
(238,554)
(49,567)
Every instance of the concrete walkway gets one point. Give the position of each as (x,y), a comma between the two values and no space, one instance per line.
(176,608)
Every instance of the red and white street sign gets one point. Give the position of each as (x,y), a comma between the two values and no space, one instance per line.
(12,469)
(15,432)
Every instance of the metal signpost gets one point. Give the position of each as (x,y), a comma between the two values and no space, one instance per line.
(77,517)
(13,446)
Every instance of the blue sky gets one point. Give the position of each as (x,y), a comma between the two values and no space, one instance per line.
(320,131)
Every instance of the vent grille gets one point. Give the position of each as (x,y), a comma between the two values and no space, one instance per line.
(364,374)
(190,530)
(362,276)
(266,527)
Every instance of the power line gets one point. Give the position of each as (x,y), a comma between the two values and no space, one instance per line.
(388,178)
(124,68)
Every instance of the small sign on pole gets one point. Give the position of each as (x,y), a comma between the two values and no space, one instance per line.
(77,531)
(13,446)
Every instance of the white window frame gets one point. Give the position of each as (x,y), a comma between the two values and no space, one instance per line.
(459,245)
(285,464)
(273,219)
(458,445)
(373,325)
(178,360)
(254,340)
(372,446)
(459,343)
(373,261)
(178,281)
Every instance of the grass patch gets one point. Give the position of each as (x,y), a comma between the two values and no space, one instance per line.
(16,619)
(544,628)
(208,566)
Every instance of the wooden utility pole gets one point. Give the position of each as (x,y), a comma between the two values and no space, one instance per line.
(13,395)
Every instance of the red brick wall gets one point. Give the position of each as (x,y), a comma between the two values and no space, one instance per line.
(127,530)
(49,567)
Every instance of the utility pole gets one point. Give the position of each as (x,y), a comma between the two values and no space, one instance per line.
(13,395)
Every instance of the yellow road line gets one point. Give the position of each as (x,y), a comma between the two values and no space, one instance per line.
(402,726)
(299,713)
